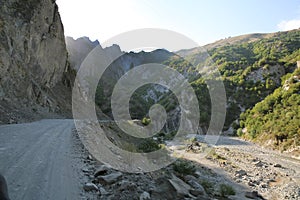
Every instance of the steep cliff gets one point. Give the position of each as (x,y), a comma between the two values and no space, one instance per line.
(79,49)
(33,59)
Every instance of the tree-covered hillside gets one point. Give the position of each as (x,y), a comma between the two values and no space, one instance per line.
(277,116)
(250,70)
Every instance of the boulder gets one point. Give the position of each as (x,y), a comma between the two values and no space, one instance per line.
(111,178)
(258,163)
(163,189)
(103,191)
(182,189)
(240,173)
(189,177)
(102,170)
(89,157)
(145,196)
(90,187)
(85,170)
(253,195)
(278,165)
(127,186)
(197,188)
(195,147)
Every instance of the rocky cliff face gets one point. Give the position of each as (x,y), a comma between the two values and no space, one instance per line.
(79,49)
(33,57)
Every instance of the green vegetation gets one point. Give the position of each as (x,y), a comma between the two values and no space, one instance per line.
(184,167)
(214,156)
(138,104)
(167,136)
(237,62)
(226,190)
(208,186)
(239,65)
(168,101)
(148,145)
(252,73)
(146,121)
(240,132)
(278,114)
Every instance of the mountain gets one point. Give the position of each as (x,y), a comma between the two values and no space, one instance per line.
(227,41)
(79,49)
(251,68)
(261,80)
(34,72)
(120,67)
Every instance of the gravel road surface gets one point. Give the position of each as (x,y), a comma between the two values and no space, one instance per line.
(39,161)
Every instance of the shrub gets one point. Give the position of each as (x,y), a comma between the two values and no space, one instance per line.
(239,132)
(148,145)
(146,121)
(184,167)
(235,125)
(208,186)
(170,136)
(214,156)
(226,190)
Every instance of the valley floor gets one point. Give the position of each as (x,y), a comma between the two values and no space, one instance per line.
(46,160)
(272,174)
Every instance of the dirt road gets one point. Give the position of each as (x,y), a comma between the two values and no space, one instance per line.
(39,161)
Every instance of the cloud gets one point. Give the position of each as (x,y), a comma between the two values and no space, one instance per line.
(289,25)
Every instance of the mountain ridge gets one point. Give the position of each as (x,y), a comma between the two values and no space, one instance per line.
(246,68)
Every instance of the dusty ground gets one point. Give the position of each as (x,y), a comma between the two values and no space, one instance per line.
(41,160)
(274,175)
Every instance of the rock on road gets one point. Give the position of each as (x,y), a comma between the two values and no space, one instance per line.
(39,161)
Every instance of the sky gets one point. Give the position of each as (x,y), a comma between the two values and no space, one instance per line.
(204,21)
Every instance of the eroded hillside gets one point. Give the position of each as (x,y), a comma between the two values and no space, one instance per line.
(34,72)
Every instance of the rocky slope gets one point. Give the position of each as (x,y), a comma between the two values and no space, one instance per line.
(271,174)
(183,179)
(231,169)
(34,72)
(78,50)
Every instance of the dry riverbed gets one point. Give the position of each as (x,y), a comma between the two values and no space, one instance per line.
(252,172)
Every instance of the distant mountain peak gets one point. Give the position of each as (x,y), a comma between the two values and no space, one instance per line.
(82,39)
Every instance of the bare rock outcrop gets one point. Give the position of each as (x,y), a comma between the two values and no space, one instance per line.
(33,57)
(78,50)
